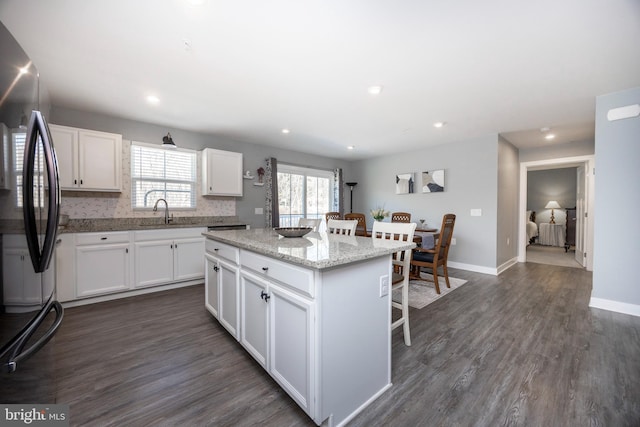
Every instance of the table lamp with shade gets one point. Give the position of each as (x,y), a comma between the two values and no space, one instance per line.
(552,205)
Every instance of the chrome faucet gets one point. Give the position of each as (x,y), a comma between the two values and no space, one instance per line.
(167,219)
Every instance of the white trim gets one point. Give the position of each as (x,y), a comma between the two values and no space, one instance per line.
(617,306)
(507,265)
(589,164)
(119,295)
(472,267)
(361,407)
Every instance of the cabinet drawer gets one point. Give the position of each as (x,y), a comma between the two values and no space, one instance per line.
(97,238)
(223,250)
(294,277)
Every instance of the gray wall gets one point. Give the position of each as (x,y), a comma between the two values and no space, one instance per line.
(551,184)
(508,190)
(471,182)
(254,155)
(617,202)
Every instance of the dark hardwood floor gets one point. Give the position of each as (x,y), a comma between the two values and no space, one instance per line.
(522,348)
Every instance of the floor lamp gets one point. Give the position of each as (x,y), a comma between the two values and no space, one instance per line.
(351,185)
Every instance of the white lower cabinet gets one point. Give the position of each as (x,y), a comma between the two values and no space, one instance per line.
(166,256)
(277,324)
(121,262)
(221,292)
(102,263)
(22,286)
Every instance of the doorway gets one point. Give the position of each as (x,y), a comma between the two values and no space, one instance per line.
(584,205)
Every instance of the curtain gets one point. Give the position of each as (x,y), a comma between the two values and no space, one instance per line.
(272,214)
(338,192)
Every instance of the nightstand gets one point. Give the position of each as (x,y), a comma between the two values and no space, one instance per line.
(551,234)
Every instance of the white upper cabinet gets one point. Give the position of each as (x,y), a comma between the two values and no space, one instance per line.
(221,173)
(88,160)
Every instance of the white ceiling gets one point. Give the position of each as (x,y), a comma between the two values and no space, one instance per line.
(255,67)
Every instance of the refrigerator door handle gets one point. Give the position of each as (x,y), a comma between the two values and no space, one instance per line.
(38,127)
(18,354)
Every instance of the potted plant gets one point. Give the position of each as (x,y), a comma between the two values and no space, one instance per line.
(379,213)
(260,172)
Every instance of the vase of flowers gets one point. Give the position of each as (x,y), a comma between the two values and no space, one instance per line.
(379,213)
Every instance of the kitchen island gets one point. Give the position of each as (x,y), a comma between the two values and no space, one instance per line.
(312,311)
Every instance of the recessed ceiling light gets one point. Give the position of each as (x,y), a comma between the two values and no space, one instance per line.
(152,99)
(285,131)
(375,90)
(545,129)
(439,124)
(196,2)
(351,147)
(549,136)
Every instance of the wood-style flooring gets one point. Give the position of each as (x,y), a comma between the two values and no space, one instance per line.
(520,349)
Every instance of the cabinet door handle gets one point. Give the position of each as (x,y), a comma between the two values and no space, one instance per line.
(175,246)
(126,250)
(215,268)
(80,182)
(215,249)
(75,182)
(265,269)
(172,246)
(265,296)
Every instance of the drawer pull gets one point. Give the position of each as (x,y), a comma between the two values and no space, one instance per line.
(216,249)
(103,238)
(265,269)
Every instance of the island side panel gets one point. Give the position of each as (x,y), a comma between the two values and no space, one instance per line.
(355,337)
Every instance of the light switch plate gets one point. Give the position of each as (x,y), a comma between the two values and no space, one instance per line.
(476,212)
(259,211)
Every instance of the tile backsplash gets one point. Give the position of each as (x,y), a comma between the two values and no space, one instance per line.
(81,204)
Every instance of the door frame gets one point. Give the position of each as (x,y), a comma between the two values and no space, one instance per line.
(565,162)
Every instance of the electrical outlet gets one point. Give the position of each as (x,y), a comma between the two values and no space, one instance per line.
(384,285)
(453,241)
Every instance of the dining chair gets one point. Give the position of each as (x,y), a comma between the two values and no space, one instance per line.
(309,222)
(402,264)
(361,229)
(332,215)
(342,226)
(436,257)
(400,217)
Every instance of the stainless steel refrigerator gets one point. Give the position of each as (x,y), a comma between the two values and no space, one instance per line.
(29,214)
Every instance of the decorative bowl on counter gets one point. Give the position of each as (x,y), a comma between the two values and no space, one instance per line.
(292,231)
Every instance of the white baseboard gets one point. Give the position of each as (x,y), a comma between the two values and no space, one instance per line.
(507,265)
(617,306)
(109,297)
(472,267)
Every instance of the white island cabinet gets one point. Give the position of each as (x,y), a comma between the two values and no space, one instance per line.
(312,314)
(221,290)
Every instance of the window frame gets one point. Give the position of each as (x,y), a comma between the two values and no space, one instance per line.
(134,179)
(307,172)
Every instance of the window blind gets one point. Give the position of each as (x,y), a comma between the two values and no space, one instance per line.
(158,173)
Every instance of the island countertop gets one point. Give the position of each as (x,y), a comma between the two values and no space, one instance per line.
(315,250)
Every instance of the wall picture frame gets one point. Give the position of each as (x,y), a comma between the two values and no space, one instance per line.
(405,183)
(433,181)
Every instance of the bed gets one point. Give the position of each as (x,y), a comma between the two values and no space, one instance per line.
(532,227)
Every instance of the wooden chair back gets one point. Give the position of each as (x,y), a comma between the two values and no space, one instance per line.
(361,229)
(400,217)
(444,241)
(341,226)
(332,215)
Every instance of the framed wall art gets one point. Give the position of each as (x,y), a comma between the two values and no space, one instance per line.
(433,181)
(404,183)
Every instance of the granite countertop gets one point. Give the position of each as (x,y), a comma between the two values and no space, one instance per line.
(124,224)
(316,250)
